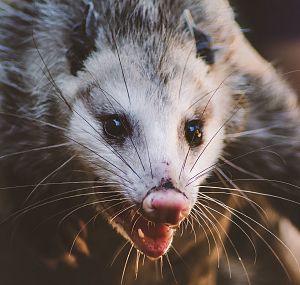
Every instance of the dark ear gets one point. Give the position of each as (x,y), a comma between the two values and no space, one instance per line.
(203,41)
(83,39)
(204,46)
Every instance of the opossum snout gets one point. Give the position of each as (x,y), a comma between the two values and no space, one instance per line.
(166,206)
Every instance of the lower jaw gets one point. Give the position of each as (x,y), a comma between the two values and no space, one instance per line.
(154,250)
(153,241)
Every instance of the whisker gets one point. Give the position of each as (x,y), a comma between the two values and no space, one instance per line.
(232,244)
(253,192)
(35,150)
(208,169)
(239,227)
(118,253)
(120,156)
(127,89)
(149,159)
(291,72)
(47,184)
(106,94)
(79,233)
(200,213)
(253,132)
(236,212)
(193,230)
(62,97)
(7,114)
(234,166)
(171,268)
(78,143)
(58,91)
(133,226)
(184,162)
(181,258)
(137,263)
(215,135)
(196,218)
(94,193)
(184,70)
(125,265)
(218,234)
(65,195)
(24,211)
(257,208)
(56,215)
(120,62)
(48,176)
(212,91)
(121,201)
(121,212)
(161,267)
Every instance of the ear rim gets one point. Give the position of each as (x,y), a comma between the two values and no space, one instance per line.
(203,42)
(83,39)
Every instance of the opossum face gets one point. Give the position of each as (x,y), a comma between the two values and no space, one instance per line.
(152,133)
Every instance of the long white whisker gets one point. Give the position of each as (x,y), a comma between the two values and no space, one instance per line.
(118,253)
(236,212)
(239,227)
(231,242)
(48,176)
(125,265)
(171,268)
(121,201)
(254,206)
(219,236)
(251,192)
(137,263)
(47,202)
(195,217)
(79,233)
(35,150)
(121,212)
(209,168)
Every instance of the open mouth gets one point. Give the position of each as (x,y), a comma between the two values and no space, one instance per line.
(152,239)
(151,231)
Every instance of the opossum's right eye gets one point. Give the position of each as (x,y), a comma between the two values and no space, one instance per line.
(116,127)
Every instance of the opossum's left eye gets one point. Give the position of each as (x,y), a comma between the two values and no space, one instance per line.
(116,127)
(194,133)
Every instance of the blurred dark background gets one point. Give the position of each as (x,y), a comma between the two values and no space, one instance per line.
(273,27)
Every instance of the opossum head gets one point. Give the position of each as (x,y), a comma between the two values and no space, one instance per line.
(152,138)
(148,119)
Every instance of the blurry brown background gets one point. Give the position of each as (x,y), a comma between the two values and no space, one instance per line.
(273,27)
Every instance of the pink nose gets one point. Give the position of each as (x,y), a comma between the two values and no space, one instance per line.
(166,206)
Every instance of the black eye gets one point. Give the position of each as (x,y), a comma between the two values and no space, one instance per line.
(116,127)
(193,133)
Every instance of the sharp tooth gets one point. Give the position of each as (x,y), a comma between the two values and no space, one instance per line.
(141,234)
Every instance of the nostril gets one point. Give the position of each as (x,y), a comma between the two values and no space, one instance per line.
(168,185)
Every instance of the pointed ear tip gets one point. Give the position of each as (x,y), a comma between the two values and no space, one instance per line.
(83,40)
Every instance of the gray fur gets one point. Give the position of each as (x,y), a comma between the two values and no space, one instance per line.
(43,104)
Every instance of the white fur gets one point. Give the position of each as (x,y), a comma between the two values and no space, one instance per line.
(161,123)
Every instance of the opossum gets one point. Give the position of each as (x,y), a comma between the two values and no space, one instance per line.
(156,118)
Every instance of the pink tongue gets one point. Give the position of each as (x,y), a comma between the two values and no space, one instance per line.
(153,240)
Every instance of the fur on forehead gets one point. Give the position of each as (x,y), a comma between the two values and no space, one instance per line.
(176,77)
